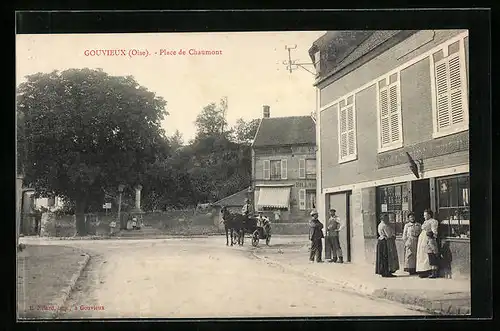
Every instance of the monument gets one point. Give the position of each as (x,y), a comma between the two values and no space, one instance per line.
(136,213)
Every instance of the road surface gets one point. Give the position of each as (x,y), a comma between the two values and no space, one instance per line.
(202,278)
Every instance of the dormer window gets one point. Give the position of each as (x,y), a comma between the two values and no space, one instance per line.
(317,62)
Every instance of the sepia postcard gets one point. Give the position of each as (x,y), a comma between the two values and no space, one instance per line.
(243,174)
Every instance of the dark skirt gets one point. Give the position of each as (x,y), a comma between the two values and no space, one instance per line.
(387,257)
(433,259)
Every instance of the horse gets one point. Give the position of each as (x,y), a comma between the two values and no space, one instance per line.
(233,224)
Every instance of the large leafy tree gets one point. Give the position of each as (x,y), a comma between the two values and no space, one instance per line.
(83,132)
(212,120)
(244,131)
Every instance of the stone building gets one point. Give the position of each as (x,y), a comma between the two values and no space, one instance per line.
(389,99)
(284,167)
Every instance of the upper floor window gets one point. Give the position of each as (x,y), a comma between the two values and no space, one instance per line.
(347,129)
(275,169)
(449,90)
(390,128)
(307,168)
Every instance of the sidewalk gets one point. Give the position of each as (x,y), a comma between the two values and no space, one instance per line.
(440,296)
(45,277)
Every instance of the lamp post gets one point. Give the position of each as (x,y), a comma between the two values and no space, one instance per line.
(120,192)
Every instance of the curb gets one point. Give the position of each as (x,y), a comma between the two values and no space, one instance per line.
(418,303)
(166,236)
(67,290)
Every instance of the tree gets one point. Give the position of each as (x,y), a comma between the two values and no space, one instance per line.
(85,132)
(244,132)
(176,140)
(212,120)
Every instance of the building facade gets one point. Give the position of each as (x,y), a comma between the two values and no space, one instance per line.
(392,132)
(284,167)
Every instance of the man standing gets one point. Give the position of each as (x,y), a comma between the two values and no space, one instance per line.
(246,208)
(332,237)
(315,235)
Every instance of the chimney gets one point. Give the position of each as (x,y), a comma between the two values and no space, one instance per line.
(266,112)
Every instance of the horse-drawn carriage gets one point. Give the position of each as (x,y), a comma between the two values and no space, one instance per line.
(239,225)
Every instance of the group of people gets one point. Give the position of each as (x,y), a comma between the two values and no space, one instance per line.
(262,221)
(332,237)
(421,249)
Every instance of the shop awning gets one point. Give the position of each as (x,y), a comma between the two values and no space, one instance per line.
(274,197)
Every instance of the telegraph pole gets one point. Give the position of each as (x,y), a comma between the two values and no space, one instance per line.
(294,64)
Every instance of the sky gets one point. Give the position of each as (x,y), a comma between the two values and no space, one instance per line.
(249,69)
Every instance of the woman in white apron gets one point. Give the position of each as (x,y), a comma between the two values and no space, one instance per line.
(430,224)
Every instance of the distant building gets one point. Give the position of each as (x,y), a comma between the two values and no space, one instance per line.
(387,99)
(234,204)
(284,167)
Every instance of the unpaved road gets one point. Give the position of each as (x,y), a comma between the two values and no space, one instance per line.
(202,278)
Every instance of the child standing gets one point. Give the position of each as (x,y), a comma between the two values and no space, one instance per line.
(433,252)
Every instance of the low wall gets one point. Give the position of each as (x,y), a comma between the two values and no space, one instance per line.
(290,228)
(460,252)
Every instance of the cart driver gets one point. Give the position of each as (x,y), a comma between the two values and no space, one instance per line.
(263,222)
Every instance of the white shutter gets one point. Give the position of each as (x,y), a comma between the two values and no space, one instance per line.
(351,134)
(394,112)
(267,169)
(385,133)
(456,98)
(302,199)
(302,168)
(442,99)
(343,133)
(284,169)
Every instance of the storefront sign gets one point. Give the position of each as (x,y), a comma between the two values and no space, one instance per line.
(305,184)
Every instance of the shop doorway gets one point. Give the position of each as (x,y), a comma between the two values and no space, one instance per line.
(341,202)
(420,197)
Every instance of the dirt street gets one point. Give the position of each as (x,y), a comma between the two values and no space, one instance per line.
(186,278)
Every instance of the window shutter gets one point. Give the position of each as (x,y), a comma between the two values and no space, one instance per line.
(384,118)
(267,169)
(302,168)
(350,127)
(302,199)
(284,169)
(343,133)
(442,102)
(456,98)
(393,104)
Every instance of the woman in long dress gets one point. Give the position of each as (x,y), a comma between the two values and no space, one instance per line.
(387,261)
(411,231)
(423,266)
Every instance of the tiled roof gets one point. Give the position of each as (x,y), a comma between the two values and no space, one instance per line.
(236,199)
(285,131)
(339,49)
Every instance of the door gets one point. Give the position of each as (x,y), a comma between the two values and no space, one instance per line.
(421,198)
(341,202)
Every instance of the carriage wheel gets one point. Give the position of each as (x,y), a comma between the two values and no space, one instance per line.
(255,239)
(268,239)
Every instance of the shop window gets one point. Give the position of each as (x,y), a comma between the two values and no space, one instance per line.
(393,201)
(453,194)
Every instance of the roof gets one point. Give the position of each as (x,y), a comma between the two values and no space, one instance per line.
(285,131)
(236,199)
(342,48)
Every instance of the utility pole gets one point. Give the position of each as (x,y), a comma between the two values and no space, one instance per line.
(294,64)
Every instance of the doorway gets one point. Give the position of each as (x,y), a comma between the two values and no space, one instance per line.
(420,197)
(341,202)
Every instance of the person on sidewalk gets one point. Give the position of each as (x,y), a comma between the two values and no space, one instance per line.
(411,231)
(387,261)
(423,266)
(332,237)
(315,236)
(432,252)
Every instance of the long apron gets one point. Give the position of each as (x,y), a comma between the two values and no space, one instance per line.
(411,253)
(422,256)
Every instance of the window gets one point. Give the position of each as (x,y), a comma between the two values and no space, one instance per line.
(390,128)
(275,169)
(302,199)
(449,90)
(393,201)
(311,168)
(310,199)
(302,168)
(453,194)
(347,129)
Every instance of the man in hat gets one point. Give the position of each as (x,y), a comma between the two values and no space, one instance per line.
(332,237)
(315,235)
(246,208)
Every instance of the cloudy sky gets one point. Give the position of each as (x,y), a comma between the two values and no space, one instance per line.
(249,70)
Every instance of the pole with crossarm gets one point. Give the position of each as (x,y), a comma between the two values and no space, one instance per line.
(289,64)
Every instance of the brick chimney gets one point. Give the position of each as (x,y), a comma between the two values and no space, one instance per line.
(266,113)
